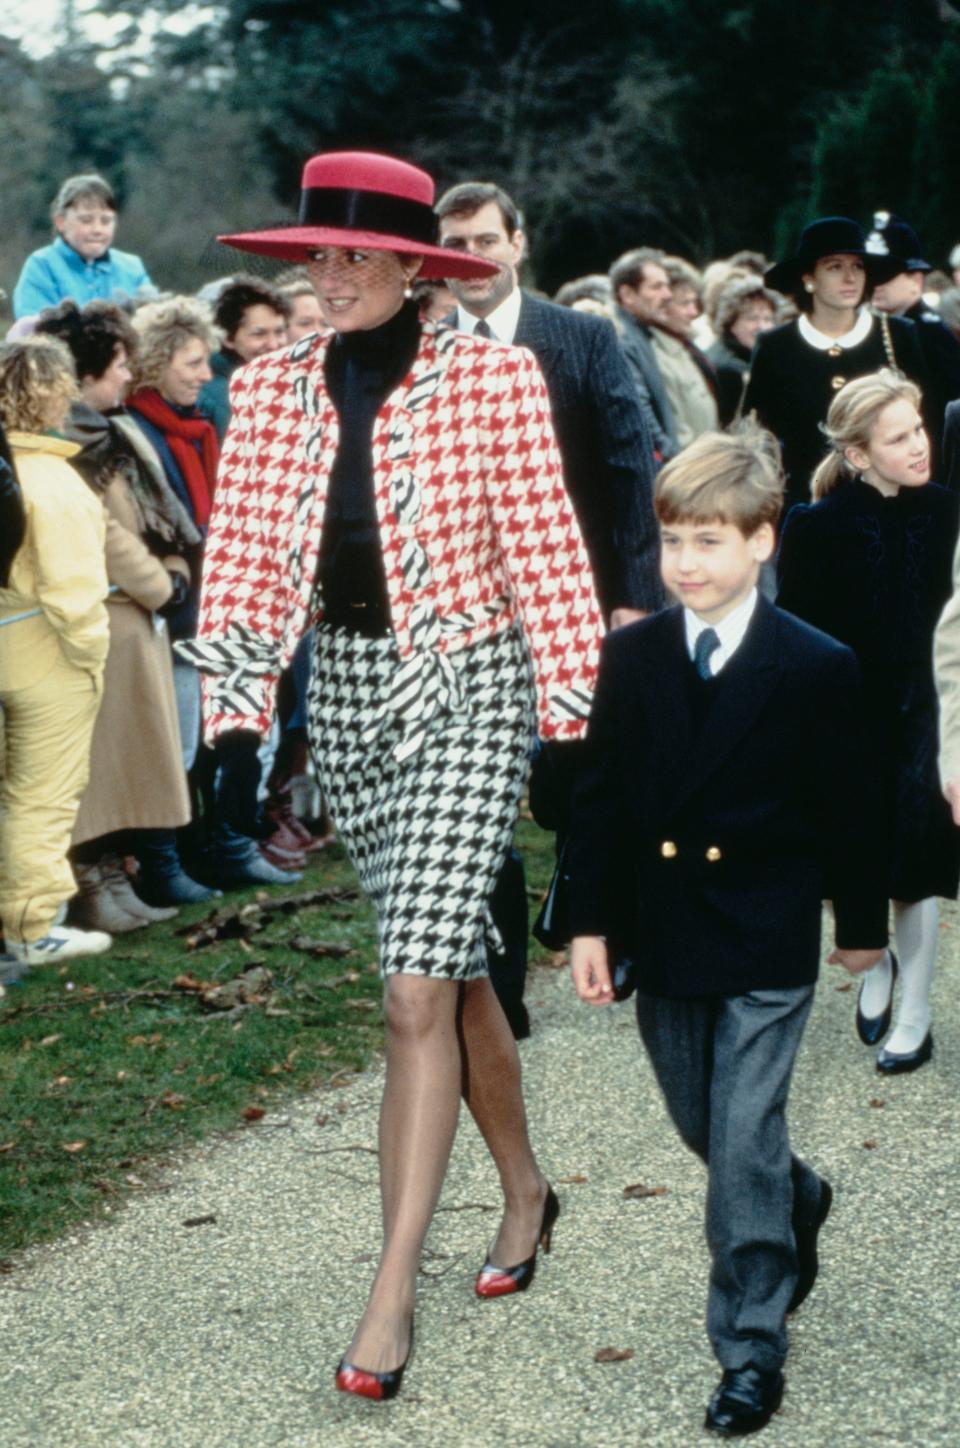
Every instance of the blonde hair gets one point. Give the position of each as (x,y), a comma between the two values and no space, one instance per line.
(723,477)
(852,417)
(37,383)
(163,328)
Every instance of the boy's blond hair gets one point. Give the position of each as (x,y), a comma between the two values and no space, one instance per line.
(723,477)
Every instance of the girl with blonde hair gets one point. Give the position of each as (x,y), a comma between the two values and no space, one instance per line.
(870,563)
(53,644)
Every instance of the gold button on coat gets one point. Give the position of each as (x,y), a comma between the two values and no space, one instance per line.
(835,352)
(668,850)
(837,382)
(714,854)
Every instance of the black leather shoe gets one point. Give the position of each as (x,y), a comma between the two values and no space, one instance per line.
(806,1234)
(871,1029)
(892,1064)
(744,1402)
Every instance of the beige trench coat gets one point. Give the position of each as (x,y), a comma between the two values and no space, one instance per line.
(136,770)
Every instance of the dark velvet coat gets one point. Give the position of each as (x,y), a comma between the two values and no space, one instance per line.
(705,851)
(876,572)
(793,384)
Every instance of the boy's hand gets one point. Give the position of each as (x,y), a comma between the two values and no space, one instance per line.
(855,961)
(591,970)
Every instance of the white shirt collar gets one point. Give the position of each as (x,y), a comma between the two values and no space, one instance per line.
(858,333)
(502,321)
(729,631)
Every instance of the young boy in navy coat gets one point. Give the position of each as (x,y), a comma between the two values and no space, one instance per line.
(725,796)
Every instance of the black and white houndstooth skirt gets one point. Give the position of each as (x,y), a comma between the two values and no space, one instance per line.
(426,812)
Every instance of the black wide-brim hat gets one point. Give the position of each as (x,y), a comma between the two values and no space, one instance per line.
(371,202)
(829,236)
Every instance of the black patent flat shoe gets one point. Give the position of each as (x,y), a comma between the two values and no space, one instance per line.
(503,1281)
(891,1063)
(871,1029)
(744,1401)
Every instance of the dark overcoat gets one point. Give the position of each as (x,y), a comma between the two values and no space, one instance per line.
(875,572)
(704,851)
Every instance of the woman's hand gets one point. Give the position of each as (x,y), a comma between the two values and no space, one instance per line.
(591,969)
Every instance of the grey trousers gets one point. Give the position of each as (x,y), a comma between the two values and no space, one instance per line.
(724,1066)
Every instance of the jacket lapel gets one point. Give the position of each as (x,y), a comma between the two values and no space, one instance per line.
(748,681)
(533,333)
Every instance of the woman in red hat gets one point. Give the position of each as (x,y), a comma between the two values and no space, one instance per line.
(799,367)
(399,484)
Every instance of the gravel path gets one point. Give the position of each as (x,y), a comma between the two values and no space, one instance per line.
(147,1332)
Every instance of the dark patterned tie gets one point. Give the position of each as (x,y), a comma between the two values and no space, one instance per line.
(707,643)
(482,329)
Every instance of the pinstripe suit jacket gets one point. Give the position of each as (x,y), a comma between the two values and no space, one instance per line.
(605,446)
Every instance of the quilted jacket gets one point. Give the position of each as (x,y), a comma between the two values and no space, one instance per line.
(475,526)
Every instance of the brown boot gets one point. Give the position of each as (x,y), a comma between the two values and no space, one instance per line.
(94,908)
(117,881)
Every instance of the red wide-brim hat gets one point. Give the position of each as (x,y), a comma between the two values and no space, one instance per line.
(370,202)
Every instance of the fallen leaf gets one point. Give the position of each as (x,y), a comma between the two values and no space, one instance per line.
(638,1191)
(173,1100)
(74,1145)
(253,1113)
(188,982)
(869,1144)
(60,1081)
(208,1220)
(7,1146)
(121,1075)
(614,1355)
(843,988)
(317,1121)
(573,1181)
(876,1102)
(6,1267)
(50,1040)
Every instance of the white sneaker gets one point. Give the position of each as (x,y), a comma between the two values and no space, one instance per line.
(62,942)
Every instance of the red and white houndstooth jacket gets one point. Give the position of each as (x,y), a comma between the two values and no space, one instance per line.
(475,525)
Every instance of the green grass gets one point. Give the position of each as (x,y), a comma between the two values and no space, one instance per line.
(107,1067)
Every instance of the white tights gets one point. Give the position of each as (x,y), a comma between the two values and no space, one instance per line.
(917,932)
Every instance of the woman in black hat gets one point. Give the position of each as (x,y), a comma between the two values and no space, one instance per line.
(798,368)
(380,478)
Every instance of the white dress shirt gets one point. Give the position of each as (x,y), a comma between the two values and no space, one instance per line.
(729,631)
(502,321)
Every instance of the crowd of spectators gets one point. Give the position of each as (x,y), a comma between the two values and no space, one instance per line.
(115,400)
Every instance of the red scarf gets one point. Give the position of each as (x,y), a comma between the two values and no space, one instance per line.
(199,468)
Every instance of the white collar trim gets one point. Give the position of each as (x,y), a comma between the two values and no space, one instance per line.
(858,333)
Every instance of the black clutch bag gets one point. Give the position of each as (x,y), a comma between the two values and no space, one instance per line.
(552,929)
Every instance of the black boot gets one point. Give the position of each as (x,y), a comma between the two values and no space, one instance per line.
(162,879)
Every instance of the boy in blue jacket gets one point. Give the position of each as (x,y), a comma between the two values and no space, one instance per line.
(724,798)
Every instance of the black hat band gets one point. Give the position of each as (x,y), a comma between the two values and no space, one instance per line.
(351,210)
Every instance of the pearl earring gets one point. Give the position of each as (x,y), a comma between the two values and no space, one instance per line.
(809,286)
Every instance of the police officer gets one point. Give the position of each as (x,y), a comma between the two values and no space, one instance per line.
(902,296)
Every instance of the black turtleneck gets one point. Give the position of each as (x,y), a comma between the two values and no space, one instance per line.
(361,369)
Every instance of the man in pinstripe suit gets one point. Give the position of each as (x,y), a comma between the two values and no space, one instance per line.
(605,448)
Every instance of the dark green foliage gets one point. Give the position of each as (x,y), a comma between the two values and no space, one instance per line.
(698,126)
